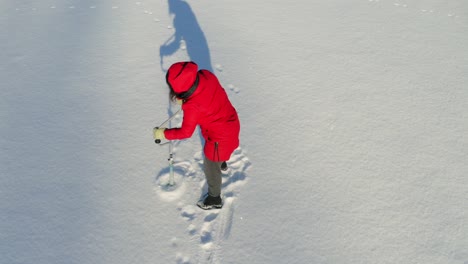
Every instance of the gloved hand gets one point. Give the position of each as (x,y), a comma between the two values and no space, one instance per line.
(158,134)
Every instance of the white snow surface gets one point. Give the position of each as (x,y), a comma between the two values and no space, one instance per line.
(354,138)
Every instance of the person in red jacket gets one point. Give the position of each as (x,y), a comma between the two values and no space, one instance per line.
(205,104)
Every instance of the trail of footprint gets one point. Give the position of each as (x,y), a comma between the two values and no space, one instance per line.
(423,11)
(217,226)
(216,229)
(78,6)
(211,228)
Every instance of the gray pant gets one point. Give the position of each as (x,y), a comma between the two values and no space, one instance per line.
(212,171)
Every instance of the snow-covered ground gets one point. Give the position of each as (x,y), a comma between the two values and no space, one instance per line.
(354,139)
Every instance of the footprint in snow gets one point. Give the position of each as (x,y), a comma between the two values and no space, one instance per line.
(219,67)
(233,88)
(181,259)
(189,212)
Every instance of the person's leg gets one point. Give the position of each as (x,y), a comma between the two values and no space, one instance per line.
(212,171)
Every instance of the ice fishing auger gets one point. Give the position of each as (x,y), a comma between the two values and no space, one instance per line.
(171,154)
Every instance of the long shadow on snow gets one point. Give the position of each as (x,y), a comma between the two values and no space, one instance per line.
(186,28)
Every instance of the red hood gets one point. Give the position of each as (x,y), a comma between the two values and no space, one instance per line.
(181,76)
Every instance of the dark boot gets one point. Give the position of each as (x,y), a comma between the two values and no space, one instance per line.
(224,166)
(211,202)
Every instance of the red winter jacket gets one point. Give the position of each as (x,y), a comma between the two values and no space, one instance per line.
(210,108)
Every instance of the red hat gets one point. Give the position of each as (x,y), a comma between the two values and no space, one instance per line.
(182,76)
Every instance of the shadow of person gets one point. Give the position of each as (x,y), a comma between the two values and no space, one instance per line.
(186,29)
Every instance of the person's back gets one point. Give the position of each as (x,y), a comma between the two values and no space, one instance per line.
(205,103)
(217,117)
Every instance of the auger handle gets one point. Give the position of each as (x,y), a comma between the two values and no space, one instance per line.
(157,141)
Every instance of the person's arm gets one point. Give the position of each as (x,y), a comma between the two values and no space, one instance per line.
(189,123)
